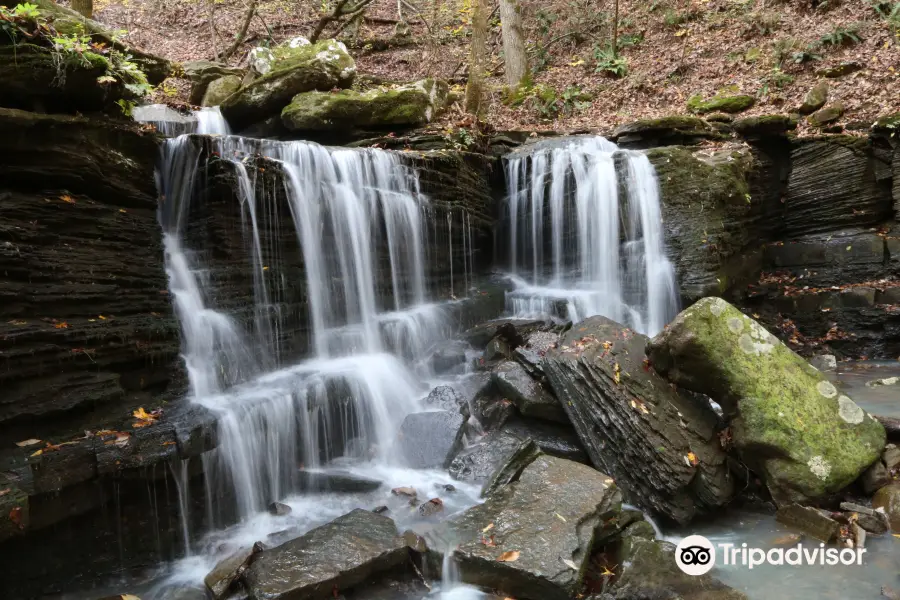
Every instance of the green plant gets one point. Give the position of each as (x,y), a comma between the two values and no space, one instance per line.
(889,11)
(20,21)
(627,40)
(610,64)
(841,36)
(574,99)
(805,55)
(762,22)
(776,78)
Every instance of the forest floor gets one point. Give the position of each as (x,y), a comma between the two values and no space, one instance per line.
(774,50)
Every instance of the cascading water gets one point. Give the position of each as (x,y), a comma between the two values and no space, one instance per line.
(358,385)
(573,249)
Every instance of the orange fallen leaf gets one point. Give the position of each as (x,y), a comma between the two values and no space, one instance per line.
(30,442)
(62,325)
(38,453)
(15,515)
(692,459)
(509,556)
(67,199)
(168,443)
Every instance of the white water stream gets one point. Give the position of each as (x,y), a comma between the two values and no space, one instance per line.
(586,235)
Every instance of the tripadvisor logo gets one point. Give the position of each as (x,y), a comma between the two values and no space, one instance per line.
(696,555)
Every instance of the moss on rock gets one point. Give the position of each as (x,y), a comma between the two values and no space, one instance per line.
(720,103)
(220,89)
(827,115)
(789,422)
(412,104)
(764,126)
(321,66)
(815,98)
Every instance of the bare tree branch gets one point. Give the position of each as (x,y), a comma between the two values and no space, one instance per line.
(251,10)
(341,11)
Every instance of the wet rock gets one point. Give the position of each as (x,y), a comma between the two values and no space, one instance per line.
(883,382)
(179,592)
(667,131)
(529,396)
(220,580)
(408,492)
(649,571)
(336,481)
(415,542)
(166,120)
(407,105)
(220,89)
(380,510)
(826,115)
(756,128)
(824,362)
(789,423)
(338,555)
(815,98)
(279,509)
(477,462)
(496,349)
(891,457)
(872,520)
(546,519)
(888,499)
(809,520)
(531,355)
(660,446)
(511,468)
(430,508)
(479,335)
(874,478)
(321,66)
(449,357)
(445,398)
(858,534)
(552,438)
(429,440)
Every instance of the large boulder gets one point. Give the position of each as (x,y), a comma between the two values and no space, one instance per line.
(532,538)
(201,73)
(321,66)
(406,105)
(790,424)
(220,89)
(530,396)
(429,440)
(335,556)
(660,445)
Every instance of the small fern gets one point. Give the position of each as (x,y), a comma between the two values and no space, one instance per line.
(841,36)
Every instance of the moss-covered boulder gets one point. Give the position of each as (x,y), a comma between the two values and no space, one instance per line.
(201,73)
(406,105)
(720,103)
(826,115)
(324,65)
(815,98)
(764,126)
(220,89)
(789,423)
(665,131)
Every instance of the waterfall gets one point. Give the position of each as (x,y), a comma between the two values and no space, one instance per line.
(586,236)
(345,207)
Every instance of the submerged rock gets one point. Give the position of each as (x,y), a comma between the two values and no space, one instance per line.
(321,66)
(790,424)
(542,524)
(888,499)
(429,440)
(279,509)
(338,555)
(660,446)
(336,481)
(407,105)
(810,521)
(649,571)
(529,396)
(449,357)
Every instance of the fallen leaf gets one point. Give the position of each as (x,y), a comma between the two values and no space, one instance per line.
(509,556)
(122,210)
(30,442)
(4,492)
(101,317)
(570,564)
(560,517)
(168,443)
(62,325)
(488,528)
(15,515)
(129,597)
(692,459)
(38,453)
(67,199)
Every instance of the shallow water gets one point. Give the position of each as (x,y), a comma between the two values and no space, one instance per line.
(882,400)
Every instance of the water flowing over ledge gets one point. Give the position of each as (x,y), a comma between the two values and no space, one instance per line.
(585,235)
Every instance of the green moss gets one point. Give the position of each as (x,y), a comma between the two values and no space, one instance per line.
(888,122)
(720,103)
(413,104)
(826,115)
(791,425)
(765,125)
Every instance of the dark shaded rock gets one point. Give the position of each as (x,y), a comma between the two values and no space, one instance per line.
(529,396)
(279,509)
(826,115)
(445,398)
(531,354)
(891,426)
(496,349)
(448,357)
(380,510)
(225,574)
(790,424)
(840,70)
(667,131)
(429,440)
(888,499)
(874,478)
(547,517)
(873,521)
(480,460)
(815,98)
(809,520)
(552,438)
(660,446)
(479,335)
(649,571)
(891,457)
(403,585)
(824,362)
(764,126)
(338,555)
(14,511)
(335,481)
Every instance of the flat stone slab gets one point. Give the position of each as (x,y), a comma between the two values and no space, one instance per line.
(429,440)
(809,520)
(335,556)
(529,395)
(525,538)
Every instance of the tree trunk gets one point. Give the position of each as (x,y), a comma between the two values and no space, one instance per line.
(513,42)
(84,7)
(251,10)
(615,38)
(477,58)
